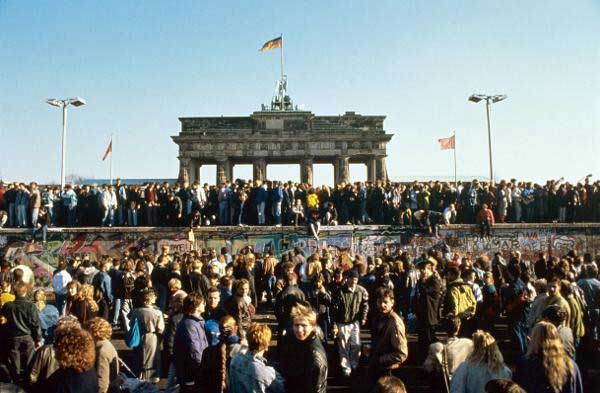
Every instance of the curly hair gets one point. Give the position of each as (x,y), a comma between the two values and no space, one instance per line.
(86,294)
(99,328)
(546,345)
(74,349)
(486,351)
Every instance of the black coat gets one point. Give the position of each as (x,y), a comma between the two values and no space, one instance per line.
(427,301)
(303,364)
(70,381)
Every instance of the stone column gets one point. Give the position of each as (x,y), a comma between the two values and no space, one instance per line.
(342,169)
(371,169)
(223,170)
(306,170)
(230,171)
(259,169)
(197,171)
(381,169)
(192,170)
(184,174)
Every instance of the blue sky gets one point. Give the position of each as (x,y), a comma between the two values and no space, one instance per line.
(143,64)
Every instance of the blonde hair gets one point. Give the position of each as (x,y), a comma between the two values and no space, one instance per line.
(259,337)
(174,283)
(302,311)
(545,345)
(486,351)
(86,293)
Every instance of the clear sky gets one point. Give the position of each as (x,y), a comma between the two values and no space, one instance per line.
(142,64)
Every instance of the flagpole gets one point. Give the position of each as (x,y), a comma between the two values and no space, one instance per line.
(111,159)
(455,178)
(282,92)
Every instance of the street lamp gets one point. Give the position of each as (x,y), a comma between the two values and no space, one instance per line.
(77,101)
(488,101)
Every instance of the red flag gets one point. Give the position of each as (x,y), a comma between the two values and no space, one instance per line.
(447,143)
(108,151)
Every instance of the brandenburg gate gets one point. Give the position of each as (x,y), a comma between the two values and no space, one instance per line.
(282,136)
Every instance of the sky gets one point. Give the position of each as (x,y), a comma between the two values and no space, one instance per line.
(143,64)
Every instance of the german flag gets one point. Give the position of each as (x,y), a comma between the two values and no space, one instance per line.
(274,43)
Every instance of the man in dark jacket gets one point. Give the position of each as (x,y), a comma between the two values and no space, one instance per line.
(23,329)
(350,306)
(190,342)
(287,299)
(389,346)
(425,303)
(303,358)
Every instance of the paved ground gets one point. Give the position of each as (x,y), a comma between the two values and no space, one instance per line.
(413,375)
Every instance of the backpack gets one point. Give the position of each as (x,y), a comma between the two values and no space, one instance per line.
(466,305)
(133,338)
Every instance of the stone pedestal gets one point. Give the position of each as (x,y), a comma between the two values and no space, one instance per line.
(259,169)
(306,171)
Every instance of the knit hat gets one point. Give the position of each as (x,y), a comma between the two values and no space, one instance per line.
(211,328)
(352,273)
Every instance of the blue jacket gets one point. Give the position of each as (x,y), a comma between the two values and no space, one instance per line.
(261,195)
(278,194)
(249,373)
(190,342)
(103,283)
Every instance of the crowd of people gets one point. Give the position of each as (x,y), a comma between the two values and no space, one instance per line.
(241,202)
(190,319)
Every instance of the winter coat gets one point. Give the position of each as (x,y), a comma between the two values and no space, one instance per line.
(427,300)
(389,347)
(350,306)
(190,343)
(311,377)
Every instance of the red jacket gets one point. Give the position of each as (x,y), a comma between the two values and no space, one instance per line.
(486,215)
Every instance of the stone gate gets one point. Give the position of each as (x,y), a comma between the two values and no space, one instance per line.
(282,137)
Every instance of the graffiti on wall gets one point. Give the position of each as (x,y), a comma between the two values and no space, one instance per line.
(43,258)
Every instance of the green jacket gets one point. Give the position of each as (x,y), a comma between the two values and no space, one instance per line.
(350,306)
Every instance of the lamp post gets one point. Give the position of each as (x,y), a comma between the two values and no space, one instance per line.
(77,101)
(488,101)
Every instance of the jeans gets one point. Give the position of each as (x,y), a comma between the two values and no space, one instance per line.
(109,217)
(71,216)
(126,308)
(132,217)
(349,346)
(61,304)
(260,209)
(120,215)
(151,216)
(44,232)
(12,215)
(35,213)
(277,212)
(116,311)
(224,213)
(22,215)
(172,383)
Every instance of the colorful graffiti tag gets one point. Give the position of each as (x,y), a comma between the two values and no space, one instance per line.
(17,246)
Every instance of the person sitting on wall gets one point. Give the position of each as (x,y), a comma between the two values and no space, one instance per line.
(485,220)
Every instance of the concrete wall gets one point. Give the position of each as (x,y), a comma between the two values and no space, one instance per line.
(555,239)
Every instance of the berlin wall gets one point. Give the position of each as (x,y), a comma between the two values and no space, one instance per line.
(530,239)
